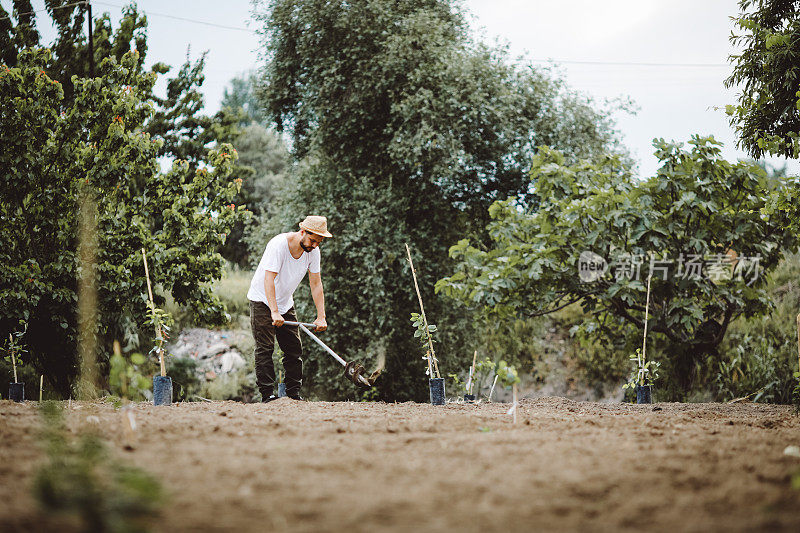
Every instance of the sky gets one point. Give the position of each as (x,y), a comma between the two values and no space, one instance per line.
(669,56)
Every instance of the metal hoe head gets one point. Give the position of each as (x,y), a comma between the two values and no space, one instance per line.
(355,372)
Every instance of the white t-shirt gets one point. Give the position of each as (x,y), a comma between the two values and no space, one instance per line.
(278,258)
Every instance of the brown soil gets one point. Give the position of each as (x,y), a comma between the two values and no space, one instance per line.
(315,466)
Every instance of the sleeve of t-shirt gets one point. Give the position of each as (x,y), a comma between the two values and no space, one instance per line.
(313,265)
(272,256)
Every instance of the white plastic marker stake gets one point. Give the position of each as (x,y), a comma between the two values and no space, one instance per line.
(41,384)
(492,389)
(129,423)
(513,410)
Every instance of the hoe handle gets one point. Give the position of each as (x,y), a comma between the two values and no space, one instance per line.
(306,324)
(304,328)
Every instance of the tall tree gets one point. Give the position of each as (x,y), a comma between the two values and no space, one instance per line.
(178,121)
(45,158)
(404,131)
(55,157)
(243,92)
(767,71)
(264,163)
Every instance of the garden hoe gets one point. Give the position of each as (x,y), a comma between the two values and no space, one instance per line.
(352,370)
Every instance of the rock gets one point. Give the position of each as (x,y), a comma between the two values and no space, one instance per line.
(212,350)
(231,361)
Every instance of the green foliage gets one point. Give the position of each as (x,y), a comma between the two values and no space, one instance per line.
(456,379)
(84,479)
(242,93)
(404,130)
(698,205)
(759,355)
(98,145)
(767,116)
(125,375)
(424,333)
(14,348)
(643,372)
(161,322)
(484,373)
(264,158)
(796,392)
(507,375)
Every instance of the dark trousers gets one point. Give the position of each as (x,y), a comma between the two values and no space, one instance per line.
(264,333)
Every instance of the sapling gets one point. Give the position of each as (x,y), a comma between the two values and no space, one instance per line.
(424,330)
(424,333)
(13,358)
(161,321)
(16,390)
(484,369)
(508,376)
(645,371)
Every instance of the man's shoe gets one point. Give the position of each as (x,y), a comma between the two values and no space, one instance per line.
(267,400)
(295,397)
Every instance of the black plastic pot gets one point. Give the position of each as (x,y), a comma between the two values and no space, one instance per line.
(162,390)
(644,394)
(16,392)
(281,390)
(437,390)
(469,397)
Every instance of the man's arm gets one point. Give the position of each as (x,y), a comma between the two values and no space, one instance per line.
(319,300)
(272,301)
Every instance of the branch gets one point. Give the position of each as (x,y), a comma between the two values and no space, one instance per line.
(560,307)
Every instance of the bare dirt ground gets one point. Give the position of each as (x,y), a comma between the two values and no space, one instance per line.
(316,466)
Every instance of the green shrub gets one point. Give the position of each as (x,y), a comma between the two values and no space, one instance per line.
(759,357)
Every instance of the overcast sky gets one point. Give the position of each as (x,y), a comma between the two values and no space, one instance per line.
(669,56)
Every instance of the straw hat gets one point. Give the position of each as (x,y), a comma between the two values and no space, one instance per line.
(317,225)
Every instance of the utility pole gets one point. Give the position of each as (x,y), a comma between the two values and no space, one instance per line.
(91,42)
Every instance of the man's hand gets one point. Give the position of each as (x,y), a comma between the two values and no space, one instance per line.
(277,319)
(321,324)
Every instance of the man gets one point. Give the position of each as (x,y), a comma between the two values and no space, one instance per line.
(282,267)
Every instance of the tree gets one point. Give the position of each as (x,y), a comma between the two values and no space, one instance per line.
(243,94)
(97,147)
(404,131)
(767,116)
(187,134)
(697,226)
(264,164)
